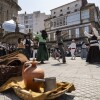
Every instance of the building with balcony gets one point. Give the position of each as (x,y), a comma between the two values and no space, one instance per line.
(72,19)
(33,22)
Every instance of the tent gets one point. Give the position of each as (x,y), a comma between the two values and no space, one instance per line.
(10,26)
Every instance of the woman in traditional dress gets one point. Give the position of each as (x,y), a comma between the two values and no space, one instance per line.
(42,52)
(93,55)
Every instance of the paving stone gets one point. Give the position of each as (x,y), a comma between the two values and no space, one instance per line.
(85,77)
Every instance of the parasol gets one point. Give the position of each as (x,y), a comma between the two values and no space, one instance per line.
(10,26)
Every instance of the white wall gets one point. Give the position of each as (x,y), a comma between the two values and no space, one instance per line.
(34,21)
(65,9)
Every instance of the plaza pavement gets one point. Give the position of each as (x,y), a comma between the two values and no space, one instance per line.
(85,77)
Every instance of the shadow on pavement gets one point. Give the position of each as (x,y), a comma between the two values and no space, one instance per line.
(58,64)
(43,63)
(98,65)
(65,97)
(10,95)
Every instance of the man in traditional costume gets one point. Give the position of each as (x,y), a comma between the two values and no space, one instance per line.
(61,45)
(72,48)
(27,42)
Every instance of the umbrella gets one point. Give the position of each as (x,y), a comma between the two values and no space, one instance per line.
(10,26)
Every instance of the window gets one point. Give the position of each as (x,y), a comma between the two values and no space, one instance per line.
(54,12)
(86,29)
(31,30)
(26,17)
(75,10)
(68,12)
(54,16)
(30,16)
(64,21)
(54,24)
(26,22)
(61,14)
(61,10)
(26,26)
(67,8)
(57,22)
(54,36)
(30,21)
(60,22)
(77,32)
(76,5)
(69,33)
(51,23)
(73,19)
(30,26)
(85,14)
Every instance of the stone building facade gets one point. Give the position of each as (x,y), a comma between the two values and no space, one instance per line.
(72,19)
(33,22)
(8,9)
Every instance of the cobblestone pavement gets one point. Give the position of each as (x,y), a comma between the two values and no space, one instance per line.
(85,77)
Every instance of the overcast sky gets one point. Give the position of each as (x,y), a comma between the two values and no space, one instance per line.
(45,5)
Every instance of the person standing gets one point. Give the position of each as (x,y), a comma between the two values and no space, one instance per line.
(61,45)
(27,42)
(83,50)
(93,55)
(20,46)
(35,48)
(72,49)
(42,52)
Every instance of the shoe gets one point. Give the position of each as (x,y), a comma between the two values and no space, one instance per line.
(41,62)
(74,59)
(71,58)
(58,59)
(64,62)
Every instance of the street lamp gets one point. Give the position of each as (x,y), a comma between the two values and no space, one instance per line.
(17,28)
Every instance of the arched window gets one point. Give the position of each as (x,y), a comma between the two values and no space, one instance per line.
(54,12)
(67,8)
(61,10)
(76,5)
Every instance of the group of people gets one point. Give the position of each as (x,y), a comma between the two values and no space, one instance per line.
(92,55)
(9,48)
(90,52)
(37,47)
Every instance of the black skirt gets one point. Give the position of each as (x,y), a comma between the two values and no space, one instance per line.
(93,55)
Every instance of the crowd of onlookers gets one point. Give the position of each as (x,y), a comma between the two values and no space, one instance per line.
(33,50)
(29,47)
(7,49)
